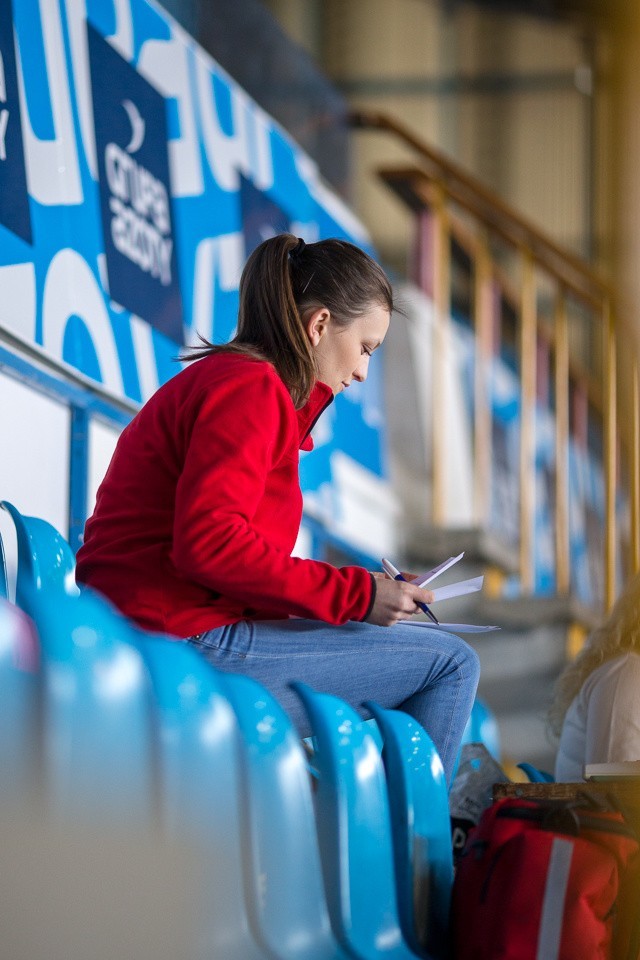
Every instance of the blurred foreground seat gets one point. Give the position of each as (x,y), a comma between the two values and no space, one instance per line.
(72,892)
(155,792)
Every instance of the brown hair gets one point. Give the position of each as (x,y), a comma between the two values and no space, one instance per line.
(618,634)
(284,280)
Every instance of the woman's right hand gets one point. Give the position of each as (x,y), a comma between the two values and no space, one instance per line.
(396,600)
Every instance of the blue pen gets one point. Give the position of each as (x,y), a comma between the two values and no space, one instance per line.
(395,573)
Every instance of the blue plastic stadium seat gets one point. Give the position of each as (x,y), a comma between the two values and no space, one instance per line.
(418,798)
(287,898)
(309,745)
(98,749)
(199,782)
(536,775)
(354,830)
(45,559)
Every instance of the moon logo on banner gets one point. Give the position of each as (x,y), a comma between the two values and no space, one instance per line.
(137,126)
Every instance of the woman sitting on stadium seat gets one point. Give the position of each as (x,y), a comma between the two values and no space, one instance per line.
(200,508)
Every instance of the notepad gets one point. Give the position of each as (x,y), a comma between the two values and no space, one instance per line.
(450,627)
(612,771)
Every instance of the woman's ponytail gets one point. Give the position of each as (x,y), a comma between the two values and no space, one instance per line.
(269,316)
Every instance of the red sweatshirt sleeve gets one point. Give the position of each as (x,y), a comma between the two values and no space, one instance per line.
(241,433)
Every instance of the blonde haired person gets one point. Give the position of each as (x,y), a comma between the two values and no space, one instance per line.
(596,710)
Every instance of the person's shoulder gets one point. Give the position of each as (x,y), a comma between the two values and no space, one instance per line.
(225,364)
(238,371)
(629,664)
(241,380)
(623,668)
(624,660)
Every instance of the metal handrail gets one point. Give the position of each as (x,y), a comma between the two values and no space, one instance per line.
(481,200)
(441,189)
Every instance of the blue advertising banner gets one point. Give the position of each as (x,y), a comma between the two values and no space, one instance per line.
(133,165)
(14,199)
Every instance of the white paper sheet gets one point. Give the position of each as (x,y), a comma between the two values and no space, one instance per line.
(458,589)
(450,627)
(423,578)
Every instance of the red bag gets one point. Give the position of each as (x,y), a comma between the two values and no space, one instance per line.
(539,880)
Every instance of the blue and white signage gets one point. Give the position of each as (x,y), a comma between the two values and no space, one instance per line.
(150,176)
(14,199)
(133,165)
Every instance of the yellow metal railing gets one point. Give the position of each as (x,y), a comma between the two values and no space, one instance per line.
(460,208)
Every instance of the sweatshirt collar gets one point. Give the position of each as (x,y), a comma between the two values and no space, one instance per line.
(319,399)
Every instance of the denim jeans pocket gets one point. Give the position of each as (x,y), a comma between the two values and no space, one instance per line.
(234,639)
(209,640)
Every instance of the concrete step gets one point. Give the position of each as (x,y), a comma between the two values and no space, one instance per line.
(481,548)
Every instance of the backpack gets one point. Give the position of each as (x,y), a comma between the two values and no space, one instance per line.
(539,880)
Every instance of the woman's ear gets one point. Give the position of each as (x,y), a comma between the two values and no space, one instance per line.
(317,324)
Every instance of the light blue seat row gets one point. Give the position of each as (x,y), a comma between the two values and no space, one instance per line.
(142,729)
(199,785)
(354,828)
(421,829)
(44,556)
(286,897)
(97,703)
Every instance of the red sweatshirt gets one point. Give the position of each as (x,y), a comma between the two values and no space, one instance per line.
(201,505)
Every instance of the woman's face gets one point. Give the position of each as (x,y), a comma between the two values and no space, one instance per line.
(342,352)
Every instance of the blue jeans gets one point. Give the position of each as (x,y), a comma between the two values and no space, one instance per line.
(430,675)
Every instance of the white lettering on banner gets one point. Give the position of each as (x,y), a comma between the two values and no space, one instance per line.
(217,259)
(53,173)
(140,242)
(227,155)
(137,198)
(71,289)
(166,64)
(4,120)
(121,41)
(3,84)
(134,184)
(77,26)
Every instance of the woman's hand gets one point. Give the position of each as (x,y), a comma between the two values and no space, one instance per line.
(395,600)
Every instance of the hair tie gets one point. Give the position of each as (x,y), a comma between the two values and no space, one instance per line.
(297,250)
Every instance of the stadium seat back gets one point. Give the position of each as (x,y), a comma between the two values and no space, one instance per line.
(45,559)
(354,828)
(421,826)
